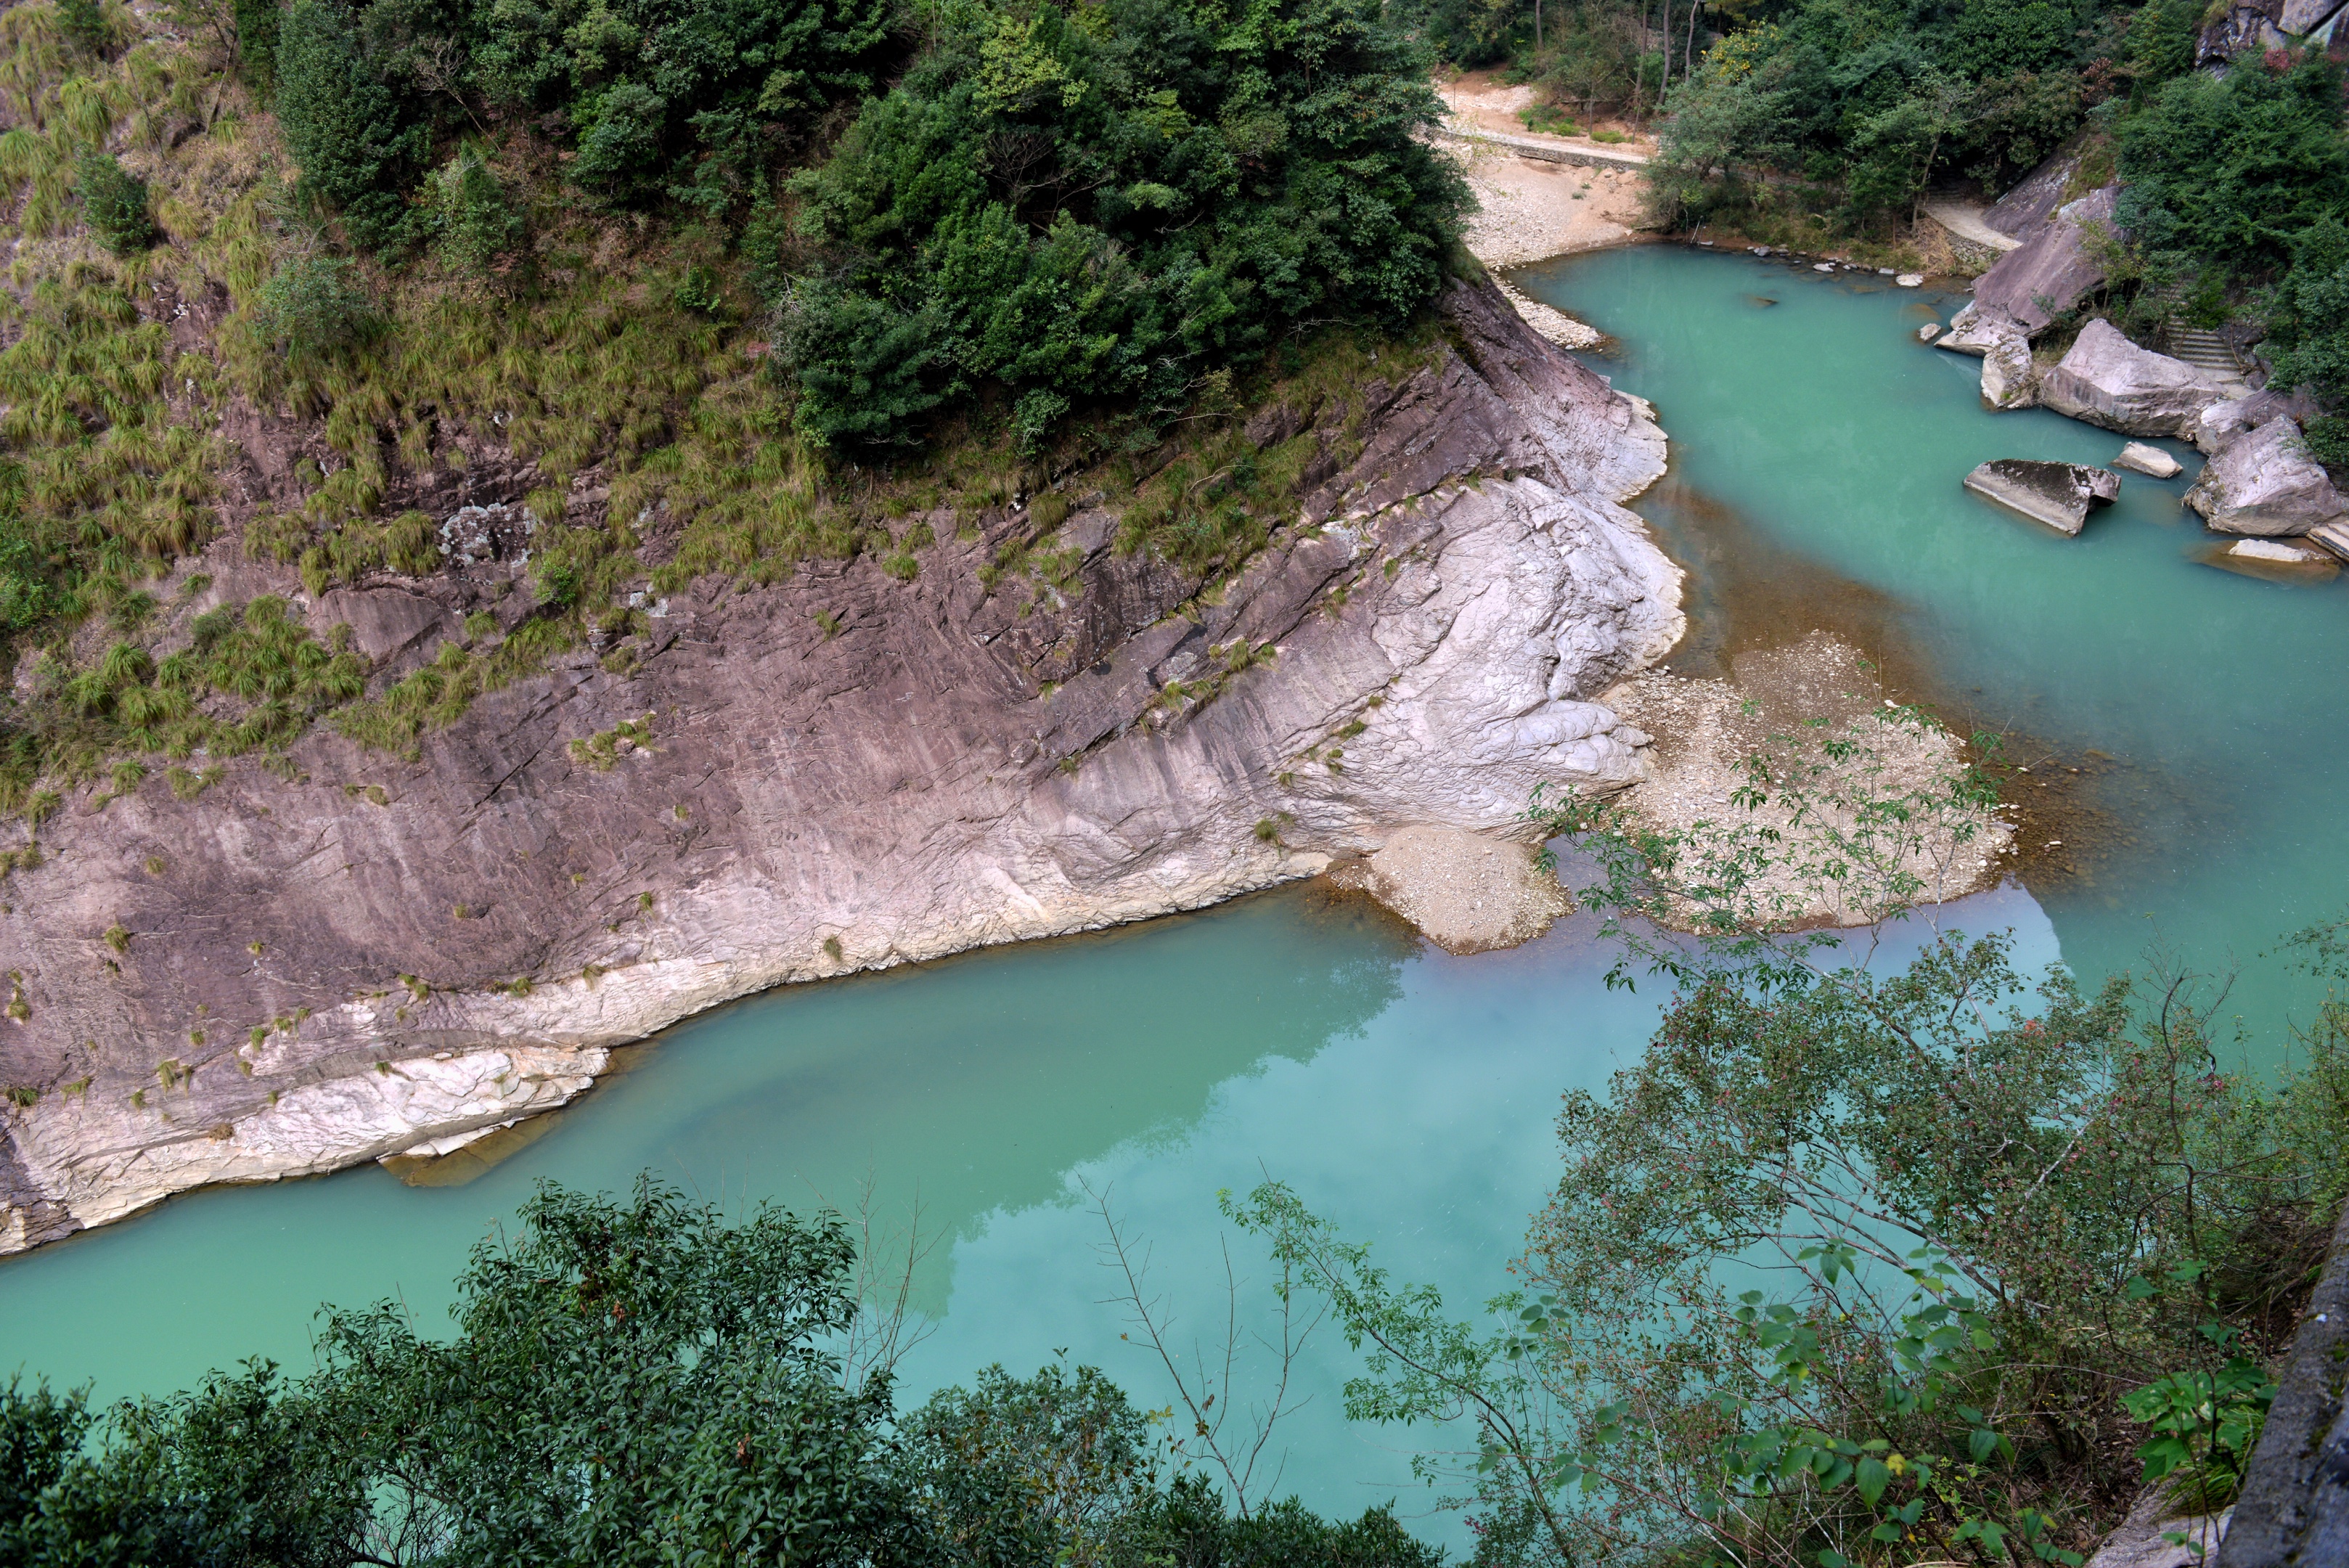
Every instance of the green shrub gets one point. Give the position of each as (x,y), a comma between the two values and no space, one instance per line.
(84,23)
(256,41)
(114,202)
(475,219)
(2234,169)
(358,143)
(312,306)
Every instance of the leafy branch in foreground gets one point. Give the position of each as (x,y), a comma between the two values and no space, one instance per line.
(1827,828)
(1850,1268)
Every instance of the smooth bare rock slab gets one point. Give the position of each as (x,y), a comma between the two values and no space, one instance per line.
(2010,379)
(2333,536)
(2056,493)
(2139,457)
(2110,382)
(2302,17)
(1466,892)
(328,963)
(2265,483)
(2049,272)
(2034,199)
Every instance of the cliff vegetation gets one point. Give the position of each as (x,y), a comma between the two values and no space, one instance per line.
(699,288)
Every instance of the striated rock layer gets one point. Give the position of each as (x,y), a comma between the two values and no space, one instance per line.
(277,978)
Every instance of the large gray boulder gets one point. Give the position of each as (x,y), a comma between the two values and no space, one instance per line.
(2009,378)
(2224,423)
(2302,17)
(2056,493)
(2049,272)
(2152,461)
(2110,382)
(2265,483)
(1976,331)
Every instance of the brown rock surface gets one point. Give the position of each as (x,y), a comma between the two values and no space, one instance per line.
(383,955)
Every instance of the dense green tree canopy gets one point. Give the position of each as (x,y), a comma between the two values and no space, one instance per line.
(630,1382)
(1110,202)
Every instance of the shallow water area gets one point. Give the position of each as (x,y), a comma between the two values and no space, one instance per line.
(1407,1094)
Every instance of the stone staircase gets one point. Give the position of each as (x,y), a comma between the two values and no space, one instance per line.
(2205,350)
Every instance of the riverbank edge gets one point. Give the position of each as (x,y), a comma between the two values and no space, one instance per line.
(1507,471)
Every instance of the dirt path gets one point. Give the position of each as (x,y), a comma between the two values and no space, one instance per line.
(1532,209)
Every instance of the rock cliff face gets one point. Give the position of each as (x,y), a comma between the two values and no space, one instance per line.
(841,772)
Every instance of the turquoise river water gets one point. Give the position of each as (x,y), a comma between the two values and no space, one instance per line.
(1818,450)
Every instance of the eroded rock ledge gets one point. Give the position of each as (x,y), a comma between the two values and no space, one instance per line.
(894,782)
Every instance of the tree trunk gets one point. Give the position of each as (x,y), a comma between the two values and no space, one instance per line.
(1688,56)
(1664,86)
(1538,44)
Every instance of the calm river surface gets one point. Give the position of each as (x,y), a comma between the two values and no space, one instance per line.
(1817,452)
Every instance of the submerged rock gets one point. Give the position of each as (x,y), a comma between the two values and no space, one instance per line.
(2056,493)
(2009,378)
(2110,382)
(2282,553)
(2142,459)
(2265,483)
(1465,892)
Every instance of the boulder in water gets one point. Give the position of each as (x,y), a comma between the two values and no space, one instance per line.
(1910,280)
(2109,381)
(1926,333)
(1974,330)
(2056,493)
(2009,379)
(2265,483)
(2140,458)
(2281,551)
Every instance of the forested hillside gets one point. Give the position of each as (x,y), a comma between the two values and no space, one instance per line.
(783,279)
(1823,123)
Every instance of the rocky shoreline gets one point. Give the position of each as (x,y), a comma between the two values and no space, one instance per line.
(842,771)
(2258,482)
